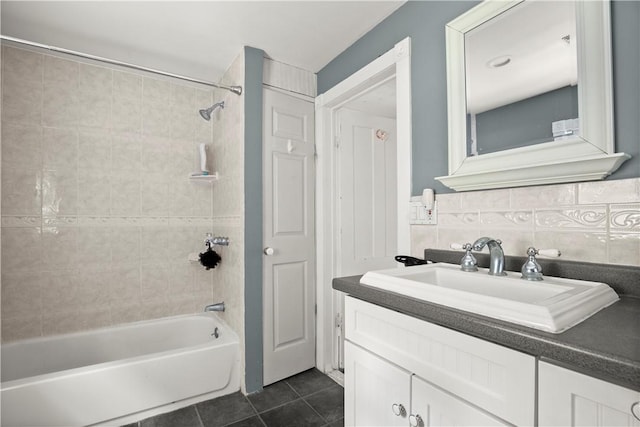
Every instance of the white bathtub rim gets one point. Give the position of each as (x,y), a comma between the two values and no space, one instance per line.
(80,370)
(125,325)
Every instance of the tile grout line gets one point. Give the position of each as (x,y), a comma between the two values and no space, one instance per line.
(257,414)
(195,407)
(316,412)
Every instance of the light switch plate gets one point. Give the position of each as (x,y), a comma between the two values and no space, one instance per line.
(419,214)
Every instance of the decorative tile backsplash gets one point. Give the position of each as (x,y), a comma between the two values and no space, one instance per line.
(591,221)
(98,216)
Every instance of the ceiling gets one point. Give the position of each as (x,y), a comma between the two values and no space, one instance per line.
(380,101)
(197,39)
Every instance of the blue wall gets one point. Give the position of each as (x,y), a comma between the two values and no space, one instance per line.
(424,22)
(253,218)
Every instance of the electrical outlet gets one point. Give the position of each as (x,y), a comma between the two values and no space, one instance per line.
(419,214)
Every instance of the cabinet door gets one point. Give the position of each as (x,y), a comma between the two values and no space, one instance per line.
(572,399)
(430,406)
(376,392)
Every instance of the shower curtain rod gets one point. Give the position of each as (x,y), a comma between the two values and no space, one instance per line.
(235,89)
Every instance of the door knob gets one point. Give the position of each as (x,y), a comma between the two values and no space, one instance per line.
(398,410)
(416,421)
(268,251)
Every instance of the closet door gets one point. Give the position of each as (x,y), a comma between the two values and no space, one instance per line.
(289,236)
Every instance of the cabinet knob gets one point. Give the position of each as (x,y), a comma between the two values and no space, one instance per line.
(268,251)
(416,421)
(398,410)
(635,410)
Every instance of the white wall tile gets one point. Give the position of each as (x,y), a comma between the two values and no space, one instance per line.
(95,187)
(579,246)
(624,249)
(94,150)
(506,219)
(94,192)
(126,151)
(594,221)
(59,192)
(611,191)
(624,218)
(21,66)
(543,196)
(20,247)
(578,217)
(60,106)
(21,146)
(485,200)
(60,148)
(21,191)
(128,85)
(20,103)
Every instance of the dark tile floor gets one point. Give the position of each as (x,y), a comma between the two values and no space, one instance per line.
(309,399)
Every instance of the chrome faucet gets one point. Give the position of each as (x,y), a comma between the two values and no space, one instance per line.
(496,265)
(215,307)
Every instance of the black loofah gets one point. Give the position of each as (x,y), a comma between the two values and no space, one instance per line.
(209,259)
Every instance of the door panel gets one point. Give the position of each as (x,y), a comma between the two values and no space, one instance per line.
(372,387)
(288,232)
(289,296)
(289,175)
(367,192)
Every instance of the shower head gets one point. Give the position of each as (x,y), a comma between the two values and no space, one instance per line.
(206,113)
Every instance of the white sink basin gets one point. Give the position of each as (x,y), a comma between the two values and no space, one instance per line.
(552,305)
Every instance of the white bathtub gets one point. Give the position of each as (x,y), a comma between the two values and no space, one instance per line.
(118,375)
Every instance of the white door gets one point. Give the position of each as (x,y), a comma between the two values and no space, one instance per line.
(367,202)
(367,192)
(376,392)
(289,237)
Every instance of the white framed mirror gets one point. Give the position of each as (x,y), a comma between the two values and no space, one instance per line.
(571,149)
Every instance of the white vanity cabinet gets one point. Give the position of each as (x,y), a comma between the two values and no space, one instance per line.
(568,398)
(433,407)
(373,388)
(379,393)
(445,377)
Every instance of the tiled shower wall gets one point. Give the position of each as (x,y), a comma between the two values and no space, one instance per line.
(227,152)
(98,216)
(594,221)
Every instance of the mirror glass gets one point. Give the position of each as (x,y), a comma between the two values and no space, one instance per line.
(529,94)
(521,71)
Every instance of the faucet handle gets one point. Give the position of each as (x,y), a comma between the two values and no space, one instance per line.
(468,261)
(550,253)
(531,270)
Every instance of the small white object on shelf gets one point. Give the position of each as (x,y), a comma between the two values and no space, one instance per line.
(204,178)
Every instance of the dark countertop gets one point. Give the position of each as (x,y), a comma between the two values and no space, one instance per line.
(605,346)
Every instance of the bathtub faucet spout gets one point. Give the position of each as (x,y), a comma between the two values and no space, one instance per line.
(215,307)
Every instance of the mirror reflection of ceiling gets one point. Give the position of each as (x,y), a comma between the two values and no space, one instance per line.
(528,50)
